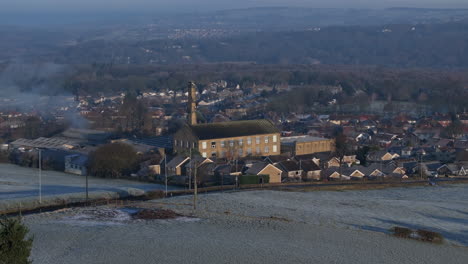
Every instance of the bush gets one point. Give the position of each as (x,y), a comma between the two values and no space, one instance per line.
(430,236)
(155,195)
(113,161)
(402,232)
(15,248)
(253,179)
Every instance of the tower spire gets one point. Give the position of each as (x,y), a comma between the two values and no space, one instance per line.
(192,103)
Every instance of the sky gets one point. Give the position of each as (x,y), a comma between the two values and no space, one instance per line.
(108,6)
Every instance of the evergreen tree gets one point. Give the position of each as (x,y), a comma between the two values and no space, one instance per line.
(15,248)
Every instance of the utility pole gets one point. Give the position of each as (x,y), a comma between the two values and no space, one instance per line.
(87,196)
(165,172)
(40,176)
(195,185)
(190,171)
(420,166)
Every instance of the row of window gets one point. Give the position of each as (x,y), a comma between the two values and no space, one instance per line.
(315,145)
(240,142)
(240,152)
(186,144)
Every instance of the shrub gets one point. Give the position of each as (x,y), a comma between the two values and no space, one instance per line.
(150,214)
(113,160)
(430,236)
(402,232)
(15,248)
(155,195)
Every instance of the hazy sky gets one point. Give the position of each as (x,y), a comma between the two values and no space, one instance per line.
(78,6)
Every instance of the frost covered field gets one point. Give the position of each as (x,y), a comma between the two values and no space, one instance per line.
(19,185)
(263,227)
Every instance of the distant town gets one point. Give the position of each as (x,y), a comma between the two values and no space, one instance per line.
(227,136)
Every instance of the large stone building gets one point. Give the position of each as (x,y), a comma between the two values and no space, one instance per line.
(230,139)
(226,139)
(304,145)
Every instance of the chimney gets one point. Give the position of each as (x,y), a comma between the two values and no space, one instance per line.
(192,103)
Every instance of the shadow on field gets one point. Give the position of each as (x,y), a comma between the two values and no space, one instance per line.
(48,190)
(453,220)
(454,210)
(460,237)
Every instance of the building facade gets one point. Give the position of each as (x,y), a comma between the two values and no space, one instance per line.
(304,145)
(230,140)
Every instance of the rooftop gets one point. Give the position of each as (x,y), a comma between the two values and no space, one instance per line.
(234,129)
(286,140)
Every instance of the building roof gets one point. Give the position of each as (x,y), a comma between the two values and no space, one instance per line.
(292,140)
(177,161)
(46,143)
(289,165)
(158,142)
(308,165)
(256,168)
(234,129)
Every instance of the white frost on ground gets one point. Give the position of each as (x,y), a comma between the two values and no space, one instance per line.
(19,187)
(266,227)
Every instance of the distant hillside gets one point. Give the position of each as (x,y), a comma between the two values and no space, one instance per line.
(433,46)
(397,37)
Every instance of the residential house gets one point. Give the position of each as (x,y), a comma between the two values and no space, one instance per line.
(175,167)
(311,171)
(380,156)
(206,175)
(291,169)
(333,173)
(264,168)
(195,162)
(458,169)
(355,172)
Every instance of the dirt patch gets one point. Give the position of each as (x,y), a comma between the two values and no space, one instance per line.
(149,214)
(420,234)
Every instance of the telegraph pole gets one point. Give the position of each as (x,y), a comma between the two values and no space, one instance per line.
(40,176)
(190,171)
(87,196)
(195,185)
(420,167)
(165,172)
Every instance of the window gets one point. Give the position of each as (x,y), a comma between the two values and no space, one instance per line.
(223,144)
(267,140)
(187,144)
(249,151)
(257,140)
(204,154)
(231,143)
(267,149)
(258,150)
(241,142)
(249,141)
(213,154)
(213,144)
(275,149)
(241,152)
(203,145)
(275,138)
